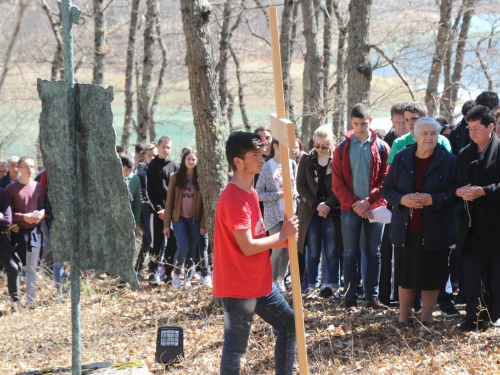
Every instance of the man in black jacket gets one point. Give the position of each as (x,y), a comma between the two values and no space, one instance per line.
(157,179)
(399,127)
(476,183)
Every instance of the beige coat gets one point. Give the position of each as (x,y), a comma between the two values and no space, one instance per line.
(174,203)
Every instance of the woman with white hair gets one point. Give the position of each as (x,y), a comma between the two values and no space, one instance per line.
(423,225)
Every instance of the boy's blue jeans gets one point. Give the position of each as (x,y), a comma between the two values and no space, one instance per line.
(238,318)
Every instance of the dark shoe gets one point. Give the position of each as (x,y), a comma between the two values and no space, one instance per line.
(326,292)
(374,303)
(450,311)
(401,325)
(460,298)
(428,324)
(153,280)
(471,325)
(351,304)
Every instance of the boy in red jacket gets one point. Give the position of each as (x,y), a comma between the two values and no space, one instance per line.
(359,168)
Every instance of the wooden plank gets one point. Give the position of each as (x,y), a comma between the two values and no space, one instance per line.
(281,128)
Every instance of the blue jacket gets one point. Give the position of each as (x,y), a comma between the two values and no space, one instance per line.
(439,222)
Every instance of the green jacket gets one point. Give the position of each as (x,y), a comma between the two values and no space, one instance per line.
(408,139)
(134,195)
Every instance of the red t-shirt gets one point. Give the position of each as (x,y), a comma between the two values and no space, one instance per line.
(236,275)
(25,199)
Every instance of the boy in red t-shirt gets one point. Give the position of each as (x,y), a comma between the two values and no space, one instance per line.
(242,267)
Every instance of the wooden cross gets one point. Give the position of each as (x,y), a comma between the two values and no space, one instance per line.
(284,131)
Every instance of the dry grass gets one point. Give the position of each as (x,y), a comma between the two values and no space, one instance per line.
(119,325)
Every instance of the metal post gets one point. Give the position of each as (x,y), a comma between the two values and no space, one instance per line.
(69,15)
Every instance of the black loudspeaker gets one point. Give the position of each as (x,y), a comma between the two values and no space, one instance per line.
(169,344)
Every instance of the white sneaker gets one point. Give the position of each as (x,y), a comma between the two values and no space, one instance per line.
(312,294)
(187,286)
(196,276)
(496,323)
(207,281)
(280,283)
(176,282)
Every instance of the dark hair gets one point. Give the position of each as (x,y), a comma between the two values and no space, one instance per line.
(272,152)
(380,133)
(119,149)
(127,161)
(481,113)
(488,99)
(416,107)
(238,144)
(468,105)
(398,108)
(300,143)
(261,128)
(163,139)
(23,160)
(442,121)
(140,148)
(360,110)
(181,181)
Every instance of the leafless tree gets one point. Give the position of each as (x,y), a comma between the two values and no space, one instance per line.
(208,119)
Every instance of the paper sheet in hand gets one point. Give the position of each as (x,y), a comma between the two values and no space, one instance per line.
(381,215)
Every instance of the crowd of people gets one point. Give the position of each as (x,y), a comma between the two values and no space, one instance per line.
(408,216)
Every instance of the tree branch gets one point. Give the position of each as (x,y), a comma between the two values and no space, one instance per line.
(393,65)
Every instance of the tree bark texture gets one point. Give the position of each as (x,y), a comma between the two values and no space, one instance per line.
(241,92)
(359,69)
(208,119)
(431,93)
(286,49)
(327,53)
(458,68)
(224,56)
(340,83)
(57,68)
(144,95)
(129,122)
(161,78)
(5,65)
(99,42)
(314,110)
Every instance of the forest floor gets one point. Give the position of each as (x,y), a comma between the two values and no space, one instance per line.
(119,325)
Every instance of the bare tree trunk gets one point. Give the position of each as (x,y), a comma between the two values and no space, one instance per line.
(58,62)
(431,93)
(241,93)
(128,125)
(99,42)
(208,119)
(22,11)
(144,95)
(224,56)
(444,104)
(359,69)
(290,107)
(327,53)
(286,48)
(313,74)
(340,83)
(161,79)
(230,111)
(456,77)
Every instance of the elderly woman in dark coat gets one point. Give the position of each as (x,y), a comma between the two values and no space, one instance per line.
(422,227)
(318,208)
(476,184)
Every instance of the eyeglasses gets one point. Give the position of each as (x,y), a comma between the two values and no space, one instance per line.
(321,147)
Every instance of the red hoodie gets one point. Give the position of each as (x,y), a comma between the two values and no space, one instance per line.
(342,175)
